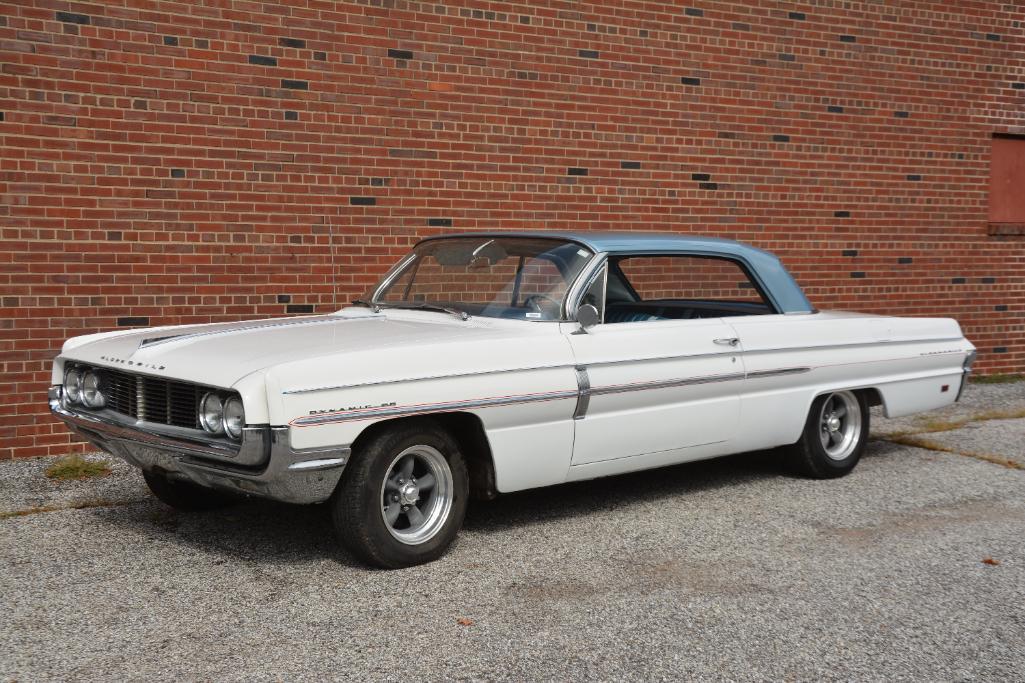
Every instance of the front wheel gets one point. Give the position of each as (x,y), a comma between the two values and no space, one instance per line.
(834,436)
(403,497)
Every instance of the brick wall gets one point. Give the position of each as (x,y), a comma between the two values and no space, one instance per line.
(195,162)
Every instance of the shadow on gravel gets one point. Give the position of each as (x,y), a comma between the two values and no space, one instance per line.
(274,533)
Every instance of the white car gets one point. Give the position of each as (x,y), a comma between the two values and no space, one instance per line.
(493,362)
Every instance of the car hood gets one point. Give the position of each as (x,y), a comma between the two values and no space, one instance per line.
(222,354)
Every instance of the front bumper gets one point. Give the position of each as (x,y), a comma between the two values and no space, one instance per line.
(286,474)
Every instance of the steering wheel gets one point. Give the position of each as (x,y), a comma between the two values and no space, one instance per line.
(536,302)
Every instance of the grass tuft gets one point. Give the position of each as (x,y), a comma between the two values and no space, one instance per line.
(929,444)
(77,467)
(996,379)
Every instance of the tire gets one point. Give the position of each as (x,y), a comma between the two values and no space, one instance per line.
(829,447)
(185,496)
(390,524)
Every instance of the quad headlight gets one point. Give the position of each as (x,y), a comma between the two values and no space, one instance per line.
(211,413)
(73,385)
(92,390)
(222,416)
(234,417)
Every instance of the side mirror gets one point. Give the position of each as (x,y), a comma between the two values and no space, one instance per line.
(588,316)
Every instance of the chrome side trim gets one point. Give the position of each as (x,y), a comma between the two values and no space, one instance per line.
(665,384)
(322,464)
(884,342)
(583,393)
(404,411)
(424,378)
(758,374)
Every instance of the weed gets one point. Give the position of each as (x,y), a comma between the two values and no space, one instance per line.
(77,467)
(929,444)
(996,379)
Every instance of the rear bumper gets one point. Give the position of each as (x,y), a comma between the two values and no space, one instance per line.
(287,475)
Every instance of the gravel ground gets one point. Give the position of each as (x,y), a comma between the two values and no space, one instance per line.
(728,569)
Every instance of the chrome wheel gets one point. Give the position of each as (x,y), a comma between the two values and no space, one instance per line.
(840,425)
(417,494)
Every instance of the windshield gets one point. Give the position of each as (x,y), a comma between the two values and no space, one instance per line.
(498,277)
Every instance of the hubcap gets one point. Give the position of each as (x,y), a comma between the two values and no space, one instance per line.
(840,425)
(417,494)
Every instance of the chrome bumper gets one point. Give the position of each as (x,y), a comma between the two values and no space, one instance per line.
(284,473)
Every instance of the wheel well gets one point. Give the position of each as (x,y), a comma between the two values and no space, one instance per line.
(468,431)
(873,396)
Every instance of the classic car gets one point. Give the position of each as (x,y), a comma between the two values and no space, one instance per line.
(486,363)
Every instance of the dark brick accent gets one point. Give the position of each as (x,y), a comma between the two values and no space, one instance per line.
(133,321)
(849,252)
(901,114)
(292,42)
(1,116)
(914,177)
(1018,85)
(177,172)
(294,85)
(957,280)
(848,39)
(114,236)
(377,182)
(857,274)
(787,57)
(284,298)
(1000,307)
(171,41)
(834,109)
(841,214)
(999,349)
(524,19)
(905,260)
(797,16)
(630,164)
(400,54)
(291,115)
(576,170)
(694,12)
(780,138)
(993,36)
(320,56)
(439,222)
(588,54)
(700,176)
(263,60)
(202,43)
(363,201)
(299,308)
(988,280)
(740,26)
(709,186)
(690,80)
(72,18)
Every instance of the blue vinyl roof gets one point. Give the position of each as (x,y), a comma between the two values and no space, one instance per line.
(766,268)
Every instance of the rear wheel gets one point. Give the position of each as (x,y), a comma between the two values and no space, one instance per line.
(183,495)
(403,497)
(834,436)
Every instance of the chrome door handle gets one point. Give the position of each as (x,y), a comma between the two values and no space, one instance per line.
(727,341)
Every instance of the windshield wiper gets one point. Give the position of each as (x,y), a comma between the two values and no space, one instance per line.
(462,315)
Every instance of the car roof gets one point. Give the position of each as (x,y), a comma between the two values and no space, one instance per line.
(765,267)
(628,242)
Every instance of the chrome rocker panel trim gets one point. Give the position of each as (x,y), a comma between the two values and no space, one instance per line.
(288,475)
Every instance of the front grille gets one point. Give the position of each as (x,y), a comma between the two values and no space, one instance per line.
(153,399)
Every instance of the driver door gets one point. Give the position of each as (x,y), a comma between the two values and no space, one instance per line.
(657,384)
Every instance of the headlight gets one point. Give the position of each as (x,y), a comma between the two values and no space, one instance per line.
(92,394)
(234,417)
(211,413)
(73,385)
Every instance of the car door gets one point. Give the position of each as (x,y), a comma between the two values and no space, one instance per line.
(652,382)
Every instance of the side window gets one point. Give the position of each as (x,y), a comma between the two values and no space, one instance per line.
(682,287)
